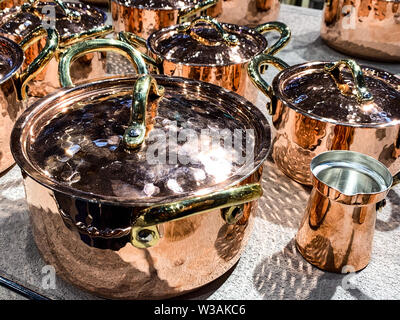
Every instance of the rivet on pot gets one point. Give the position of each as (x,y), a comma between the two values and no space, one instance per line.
(145,237)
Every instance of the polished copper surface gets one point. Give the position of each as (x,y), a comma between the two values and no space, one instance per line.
(192,251)
(368,29)
(10,3)
(145,17)
(16,24)
(338,226)
(11,59)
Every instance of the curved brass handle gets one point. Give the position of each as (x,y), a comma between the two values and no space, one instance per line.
(94,45)
(138,42)
(284,31)
(362,93)
(257,79)
(41,60)
(184,15)
(228,38)
(72,15)
(135,133)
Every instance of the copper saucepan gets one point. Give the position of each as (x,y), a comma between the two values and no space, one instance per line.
(321,106)
(74,22)
(13,81)
(367,29)
(209,51)
(143,17)
(112,219)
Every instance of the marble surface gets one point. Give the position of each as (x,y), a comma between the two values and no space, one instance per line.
(270,267)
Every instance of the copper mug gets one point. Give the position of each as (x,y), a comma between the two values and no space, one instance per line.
(145,17)
(367,29)
(337,230)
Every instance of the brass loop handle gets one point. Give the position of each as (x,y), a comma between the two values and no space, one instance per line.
(185,15)
(135,133)
(228,38)
(144,232)
(70,14)
(284,31)
(39,63)
(138,42)
(255,75)
(362,93)
(94,45)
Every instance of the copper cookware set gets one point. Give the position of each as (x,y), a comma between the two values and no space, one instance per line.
(123,209)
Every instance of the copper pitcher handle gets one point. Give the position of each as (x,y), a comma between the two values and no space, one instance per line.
(144,232)
(255,76)
(185,15)
(284,31)
(40,62)
(362,93)
(138,42)
(72,15)
(229,38)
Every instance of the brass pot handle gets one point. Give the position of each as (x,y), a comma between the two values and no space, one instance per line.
(284,31)
(255,75)
(82,48)
(184,15)
(39,63)
(362,93)
(138,42)
(228,38)
(144,232)
(72,15)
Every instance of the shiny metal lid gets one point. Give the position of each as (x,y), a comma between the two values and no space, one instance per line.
(71,140)
(18,22)
(11,58)
(205,42)
(159,4)
(342,93)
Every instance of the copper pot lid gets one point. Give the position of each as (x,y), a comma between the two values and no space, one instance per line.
(18,22)
(160,4)
(342,93)
(11,58)
(205,42)
(71,141)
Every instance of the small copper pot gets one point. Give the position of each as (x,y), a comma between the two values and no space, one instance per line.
(368,29)
(321,106)
(13,81)
(74,22)
(143,17)
(209,51)
(109,218)
(337,230)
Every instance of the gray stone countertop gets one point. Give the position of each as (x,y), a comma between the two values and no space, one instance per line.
(270,267)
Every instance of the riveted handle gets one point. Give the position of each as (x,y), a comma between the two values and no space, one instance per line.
(228,38)
(255,76)
(70,14)
(361,91)
(138,42)
(284,31)
(185,15)
(41,60)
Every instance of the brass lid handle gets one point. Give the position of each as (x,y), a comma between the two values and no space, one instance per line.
(362,93)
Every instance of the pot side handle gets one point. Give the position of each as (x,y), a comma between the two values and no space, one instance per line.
(185,15)
(284,31)
(255,75)
(40,62)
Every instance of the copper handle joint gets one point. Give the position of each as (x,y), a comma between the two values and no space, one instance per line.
(361,90)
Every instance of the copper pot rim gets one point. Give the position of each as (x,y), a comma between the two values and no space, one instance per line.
(288,72)
(17,58)
(157,35)
(22,126)
(141,7)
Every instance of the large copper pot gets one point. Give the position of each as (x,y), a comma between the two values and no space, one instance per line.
(109,218)
(143,17)
(367,29)
(209,51)
(320,106)
(74,22)
(13,81)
